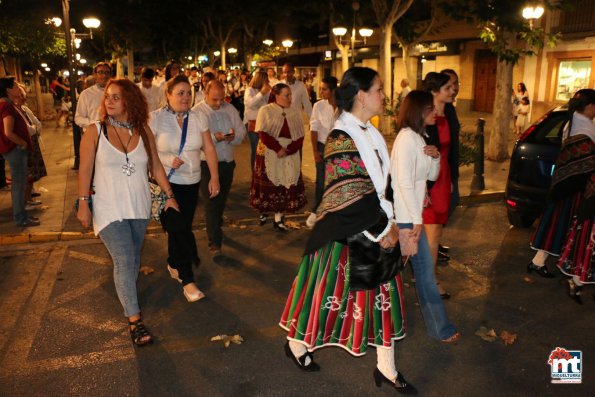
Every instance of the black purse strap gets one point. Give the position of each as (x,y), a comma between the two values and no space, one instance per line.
(103,129)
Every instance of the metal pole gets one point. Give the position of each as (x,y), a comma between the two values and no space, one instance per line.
(69,53)
(478,183)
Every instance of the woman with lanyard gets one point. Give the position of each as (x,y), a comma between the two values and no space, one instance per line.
(277,183)
(113,193)
(180,135)
(322,309)
(15,144)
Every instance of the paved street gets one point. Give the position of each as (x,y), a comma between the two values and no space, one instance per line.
(62,330)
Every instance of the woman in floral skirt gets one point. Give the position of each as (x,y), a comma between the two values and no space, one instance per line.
(322,309)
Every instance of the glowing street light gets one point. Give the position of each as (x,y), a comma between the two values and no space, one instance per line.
(217,53)
(267,42)
(44,65)
(532,13)
(287,44)
(232,50)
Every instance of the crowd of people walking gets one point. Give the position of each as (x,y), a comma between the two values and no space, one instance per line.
(372,209)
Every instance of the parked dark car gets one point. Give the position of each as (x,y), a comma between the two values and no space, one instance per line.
(531,167)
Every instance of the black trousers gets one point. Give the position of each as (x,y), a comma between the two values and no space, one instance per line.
(214,207)
(76,143)
(181,246)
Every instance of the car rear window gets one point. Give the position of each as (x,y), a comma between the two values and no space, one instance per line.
(549,130)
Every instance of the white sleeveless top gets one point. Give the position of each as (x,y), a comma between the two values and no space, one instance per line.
(117,195)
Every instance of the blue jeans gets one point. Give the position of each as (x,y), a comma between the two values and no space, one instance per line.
(17,160)
(253,137)
(124,241)
(430,301)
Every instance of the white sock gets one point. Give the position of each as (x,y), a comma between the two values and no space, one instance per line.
(299,350)
(539,258)
(386,362)
(577,281)
(278,216)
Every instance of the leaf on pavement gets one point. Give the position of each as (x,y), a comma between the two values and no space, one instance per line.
(528,280)
(486,334)
(293,225)
(508,337)
(146,270)
(227,340)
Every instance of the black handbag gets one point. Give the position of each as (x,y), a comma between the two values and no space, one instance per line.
(369,264)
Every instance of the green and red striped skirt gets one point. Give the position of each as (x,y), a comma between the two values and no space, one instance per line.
(322,311)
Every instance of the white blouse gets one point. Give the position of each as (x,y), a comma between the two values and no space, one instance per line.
(168,135)
(410,168)
(253,101)
(119,196)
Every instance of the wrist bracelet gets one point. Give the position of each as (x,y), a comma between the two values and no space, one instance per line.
(170,196)
(381,235)
(83,198)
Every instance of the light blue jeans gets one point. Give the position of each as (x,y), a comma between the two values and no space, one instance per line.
(17,160)
(430,301)
(124,241)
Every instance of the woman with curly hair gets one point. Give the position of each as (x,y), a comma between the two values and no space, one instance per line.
(113,193)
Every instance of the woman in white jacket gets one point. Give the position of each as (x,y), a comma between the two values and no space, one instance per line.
(412,164)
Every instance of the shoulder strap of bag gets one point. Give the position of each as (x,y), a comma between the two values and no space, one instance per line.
(182,142)
(104,130)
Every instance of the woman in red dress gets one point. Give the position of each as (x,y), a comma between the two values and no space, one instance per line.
(435,213)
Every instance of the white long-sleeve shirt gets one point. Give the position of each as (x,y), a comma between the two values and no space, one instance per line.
(299,96)
(168,135)
(152,94)
(87,108)
(253,101)
(322,119)
(410,168)
(221,120)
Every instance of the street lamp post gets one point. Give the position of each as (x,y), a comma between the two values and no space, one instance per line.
(347,45)
(532,12)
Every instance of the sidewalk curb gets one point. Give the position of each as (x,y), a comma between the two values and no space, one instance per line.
(155,229)
(482,198)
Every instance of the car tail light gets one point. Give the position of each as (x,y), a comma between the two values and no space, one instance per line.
(527,132)
(511,203)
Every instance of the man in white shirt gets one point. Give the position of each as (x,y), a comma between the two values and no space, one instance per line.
(321,125)
(151,92)
(87,108)
(227,132)
(300,99)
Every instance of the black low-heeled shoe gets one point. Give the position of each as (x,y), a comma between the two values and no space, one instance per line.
(400,384)
(262,219)
(575,291)
(543,271)
(281,226)
(300,361)
(139,334)
(443,257)
(443,248)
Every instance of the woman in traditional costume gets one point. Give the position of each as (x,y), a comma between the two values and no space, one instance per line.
(568,184)
(574,180)
(323,307)
(277,184)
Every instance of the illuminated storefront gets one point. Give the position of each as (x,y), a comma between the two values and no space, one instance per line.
(573,75)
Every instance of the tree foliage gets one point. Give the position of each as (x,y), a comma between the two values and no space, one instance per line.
(503,28)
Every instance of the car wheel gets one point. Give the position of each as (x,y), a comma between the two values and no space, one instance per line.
(518,219)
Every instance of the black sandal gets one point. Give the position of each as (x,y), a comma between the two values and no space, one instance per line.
(139,333)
